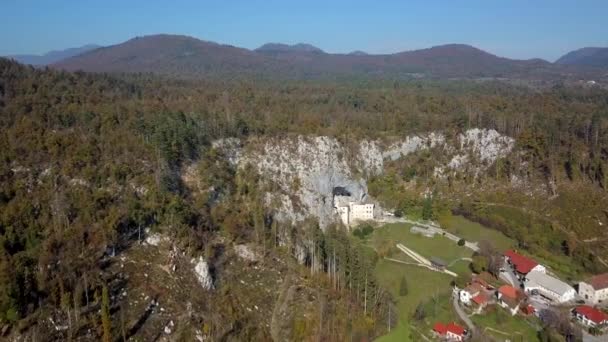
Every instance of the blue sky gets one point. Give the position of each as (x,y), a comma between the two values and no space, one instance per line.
(510,28)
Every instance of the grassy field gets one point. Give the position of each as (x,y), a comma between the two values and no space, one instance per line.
(473,231)
(425,286)
(498,323)
(437,246)
(401,333)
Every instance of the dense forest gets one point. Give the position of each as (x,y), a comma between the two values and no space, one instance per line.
(88,161)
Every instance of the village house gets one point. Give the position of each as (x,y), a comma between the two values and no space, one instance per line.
(548,287)
(480,302)
(510,298)
(449,332)
(522,264)
(466,294)
(589,316)
(595,289)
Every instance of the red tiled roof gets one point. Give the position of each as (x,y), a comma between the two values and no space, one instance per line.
(474,288)
(481,282)
(592,314)
(480,299)
(599,282)
(528,310)
(440,328)
(455,329)
(522,263)
(508,291)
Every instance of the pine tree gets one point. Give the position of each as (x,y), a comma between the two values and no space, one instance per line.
(106,322)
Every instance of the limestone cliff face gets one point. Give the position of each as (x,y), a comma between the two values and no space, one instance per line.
(308,169)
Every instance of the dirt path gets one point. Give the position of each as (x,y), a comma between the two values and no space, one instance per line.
(422,260)
(459,259)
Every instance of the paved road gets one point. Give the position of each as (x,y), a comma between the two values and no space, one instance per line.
(463,315)
(509,276)
(590,338)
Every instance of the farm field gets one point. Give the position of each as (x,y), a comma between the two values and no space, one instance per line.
(437,246)
(432,289)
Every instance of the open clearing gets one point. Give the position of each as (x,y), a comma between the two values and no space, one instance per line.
(473,231)
(437,246)
(428,287)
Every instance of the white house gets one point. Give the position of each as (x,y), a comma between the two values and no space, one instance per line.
(595,289)
(466,294)
(549,287)
(449,332)
(522,264)
(589,316)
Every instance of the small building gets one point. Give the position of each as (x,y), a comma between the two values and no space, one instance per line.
(522,264)
(449,332)
(510,298)
(590,316)
(595,289)
(548,287)
(438,263)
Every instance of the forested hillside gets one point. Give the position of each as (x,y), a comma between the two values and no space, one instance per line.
(92,163)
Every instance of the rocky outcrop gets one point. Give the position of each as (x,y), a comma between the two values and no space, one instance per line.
(203,275)
(308,169)
(246,253)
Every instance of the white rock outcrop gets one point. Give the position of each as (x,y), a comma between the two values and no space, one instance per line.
(487,144)
(308,169)
(245,252)
(154,239)
(203,275)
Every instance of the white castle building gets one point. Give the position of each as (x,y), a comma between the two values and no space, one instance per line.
(350,209)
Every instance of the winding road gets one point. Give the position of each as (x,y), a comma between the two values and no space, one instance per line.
(463,315)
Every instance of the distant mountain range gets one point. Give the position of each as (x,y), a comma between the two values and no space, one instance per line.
(53,56)
(189,57)
(589,56)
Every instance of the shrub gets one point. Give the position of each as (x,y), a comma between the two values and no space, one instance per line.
(403,288)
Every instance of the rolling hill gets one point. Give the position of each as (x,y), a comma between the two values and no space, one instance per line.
(296,48)
(53,56)
(184,56)
(589,56)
